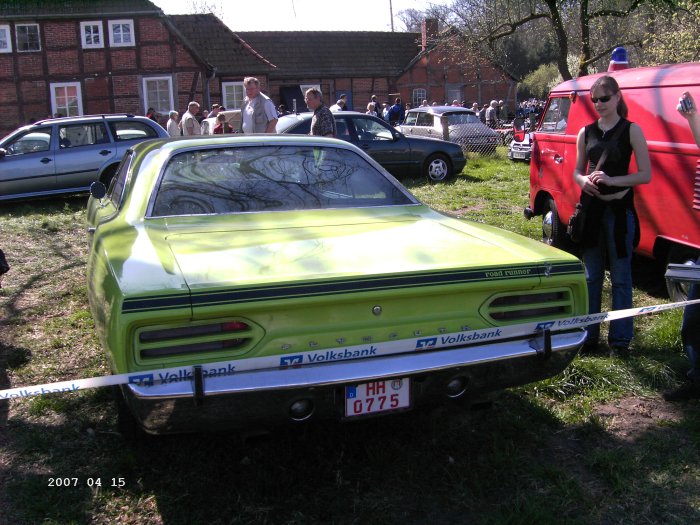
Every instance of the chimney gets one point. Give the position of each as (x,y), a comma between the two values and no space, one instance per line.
(429,31)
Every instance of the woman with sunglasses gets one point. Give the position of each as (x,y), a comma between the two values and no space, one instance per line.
(611,229)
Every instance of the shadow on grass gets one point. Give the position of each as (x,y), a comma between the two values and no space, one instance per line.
(47,205)
(509,464)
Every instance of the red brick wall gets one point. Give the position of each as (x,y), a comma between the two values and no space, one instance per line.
(123,59)
(152,30)
(30,64)
(155,57)
(94,61)
(61,34)
(7,67)
(62,63)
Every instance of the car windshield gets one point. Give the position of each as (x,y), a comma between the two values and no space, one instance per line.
(454,119)
(271,178)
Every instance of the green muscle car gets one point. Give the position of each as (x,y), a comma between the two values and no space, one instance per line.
(290,278)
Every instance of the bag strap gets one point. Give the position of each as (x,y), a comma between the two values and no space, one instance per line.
(604,155)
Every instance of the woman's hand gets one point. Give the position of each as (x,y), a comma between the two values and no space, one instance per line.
(590,186)
(599,177)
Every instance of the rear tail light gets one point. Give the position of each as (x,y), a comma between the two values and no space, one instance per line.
(194,339)
(530,306)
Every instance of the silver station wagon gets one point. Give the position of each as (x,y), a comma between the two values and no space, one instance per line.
(66,155)
(455,124)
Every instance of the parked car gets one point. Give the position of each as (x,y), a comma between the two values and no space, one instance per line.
(233,117)
(66,155)
(306,283)
(436,160)
(520,147)
(459,125)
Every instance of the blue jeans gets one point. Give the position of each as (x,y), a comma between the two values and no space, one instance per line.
(594,257)
(690,332)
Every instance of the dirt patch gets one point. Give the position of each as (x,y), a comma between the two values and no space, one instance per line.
(629,418)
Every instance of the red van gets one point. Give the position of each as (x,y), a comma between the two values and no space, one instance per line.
(669,206)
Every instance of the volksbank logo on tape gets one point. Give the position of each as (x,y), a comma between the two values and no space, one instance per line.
(141,379)
(292,360)
(430,342)
(327,355)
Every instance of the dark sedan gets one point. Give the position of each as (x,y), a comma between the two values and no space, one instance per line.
(435,159)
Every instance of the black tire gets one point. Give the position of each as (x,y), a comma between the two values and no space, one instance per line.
(553,230)
(437,168)
(678,291)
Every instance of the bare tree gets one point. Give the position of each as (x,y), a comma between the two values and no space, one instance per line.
(587,29)
(206,6)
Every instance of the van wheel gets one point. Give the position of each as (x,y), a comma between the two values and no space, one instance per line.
(553,230)
(678,291)
(437,168)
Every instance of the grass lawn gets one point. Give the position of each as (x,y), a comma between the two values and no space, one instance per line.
(597,444)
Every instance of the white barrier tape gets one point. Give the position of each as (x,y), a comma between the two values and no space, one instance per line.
(433,342)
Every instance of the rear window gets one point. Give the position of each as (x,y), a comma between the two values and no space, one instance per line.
(132,130)
(454,119)
(271,178)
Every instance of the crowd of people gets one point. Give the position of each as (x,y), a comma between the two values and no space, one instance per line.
(259,114)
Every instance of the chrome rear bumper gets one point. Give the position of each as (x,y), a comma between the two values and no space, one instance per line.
(264,396)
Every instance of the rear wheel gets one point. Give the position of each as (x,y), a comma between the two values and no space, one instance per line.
(678,291)
(437,168)
(107,175)
(553,231)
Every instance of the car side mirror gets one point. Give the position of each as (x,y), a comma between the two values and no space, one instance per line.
(98,190)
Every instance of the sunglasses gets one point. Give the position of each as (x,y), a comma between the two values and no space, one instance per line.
(604,99)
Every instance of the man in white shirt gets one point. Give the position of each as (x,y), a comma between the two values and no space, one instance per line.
(188,123)
(258,112)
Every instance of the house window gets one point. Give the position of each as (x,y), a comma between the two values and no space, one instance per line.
(5,40)
(28,37)
(121,33)
(419,95)
(158,94)
(66,99)
(232,94)
(91,34)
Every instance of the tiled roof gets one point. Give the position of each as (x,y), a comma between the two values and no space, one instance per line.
(215,43)
(300,54)
(35,9)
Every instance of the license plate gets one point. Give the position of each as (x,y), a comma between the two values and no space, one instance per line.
(519,155)
(378,396)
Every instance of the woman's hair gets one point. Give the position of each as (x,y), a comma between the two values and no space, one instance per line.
(221,117)
(610,86)
(370,106)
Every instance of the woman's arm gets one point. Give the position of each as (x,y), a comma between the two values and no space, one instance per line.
(580,177)
(692,116)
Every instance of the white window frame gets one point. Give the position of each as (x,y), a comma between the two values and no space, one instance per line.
(54,85)
(100,34)
(149,104)
(38,34)
(126,22)
(417,100)
(231,104)
(8,38)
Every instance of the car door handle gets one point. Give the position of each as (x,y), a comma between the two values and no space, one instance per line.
(558,159)
(105,152)
(45,160)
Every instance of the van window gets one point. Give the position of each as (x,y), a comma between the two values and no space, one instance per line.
(556,115)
